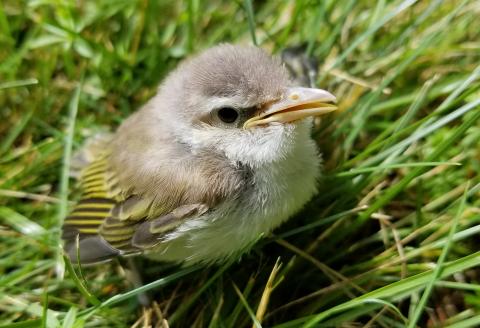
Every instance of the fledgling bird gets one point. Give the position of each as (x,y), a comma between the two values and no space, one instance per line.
(220,156)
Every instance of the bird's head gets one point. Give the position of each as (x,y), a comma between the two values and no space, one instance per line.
(240,102)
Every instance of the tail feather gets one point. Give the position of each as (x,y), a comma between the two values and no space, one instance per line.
(92,249)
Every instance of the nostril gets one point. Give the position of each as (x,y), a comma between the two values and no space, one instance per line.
(294,96)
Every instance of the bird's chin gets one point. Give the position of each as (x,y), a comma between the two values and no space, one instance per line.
(286,127)
(265,145)
(285,130)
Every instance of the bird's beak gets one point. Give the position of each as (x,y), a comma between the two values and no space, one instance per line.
(297,104)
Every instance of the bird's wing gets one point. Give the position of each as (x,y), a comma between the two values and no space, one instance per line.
(110,221)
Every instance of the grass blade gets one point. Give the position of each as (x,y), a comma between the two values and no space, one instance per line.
(439,267)
(251,20)
(247,307)
(403,287)
(64,176)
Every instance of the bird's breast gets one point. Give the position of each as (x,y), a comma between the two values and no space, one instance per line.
(272,195)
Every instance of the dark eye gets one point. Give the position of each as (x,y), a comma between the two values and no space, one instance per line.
(227,114)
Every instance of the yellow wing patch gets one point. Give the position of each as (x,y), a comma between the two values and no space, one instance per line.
(101,212)
(96,203)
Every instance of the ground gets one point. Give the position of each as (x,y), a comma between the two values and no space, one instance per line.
(391,239)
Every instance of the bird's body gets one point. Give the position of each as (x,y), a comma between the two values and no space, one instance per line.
(205,167)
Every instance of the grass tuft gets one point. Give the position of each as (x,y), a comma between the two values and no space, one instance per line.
(390,240)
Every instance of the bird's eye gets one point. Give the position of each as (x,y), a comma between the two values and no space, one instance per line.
(227,114)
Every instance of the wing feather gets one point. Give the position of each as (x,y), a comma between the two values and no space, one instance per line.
(94,215)
(106,218)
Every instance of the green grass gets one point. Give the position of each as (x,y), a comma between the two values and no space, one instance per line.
(391,239)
